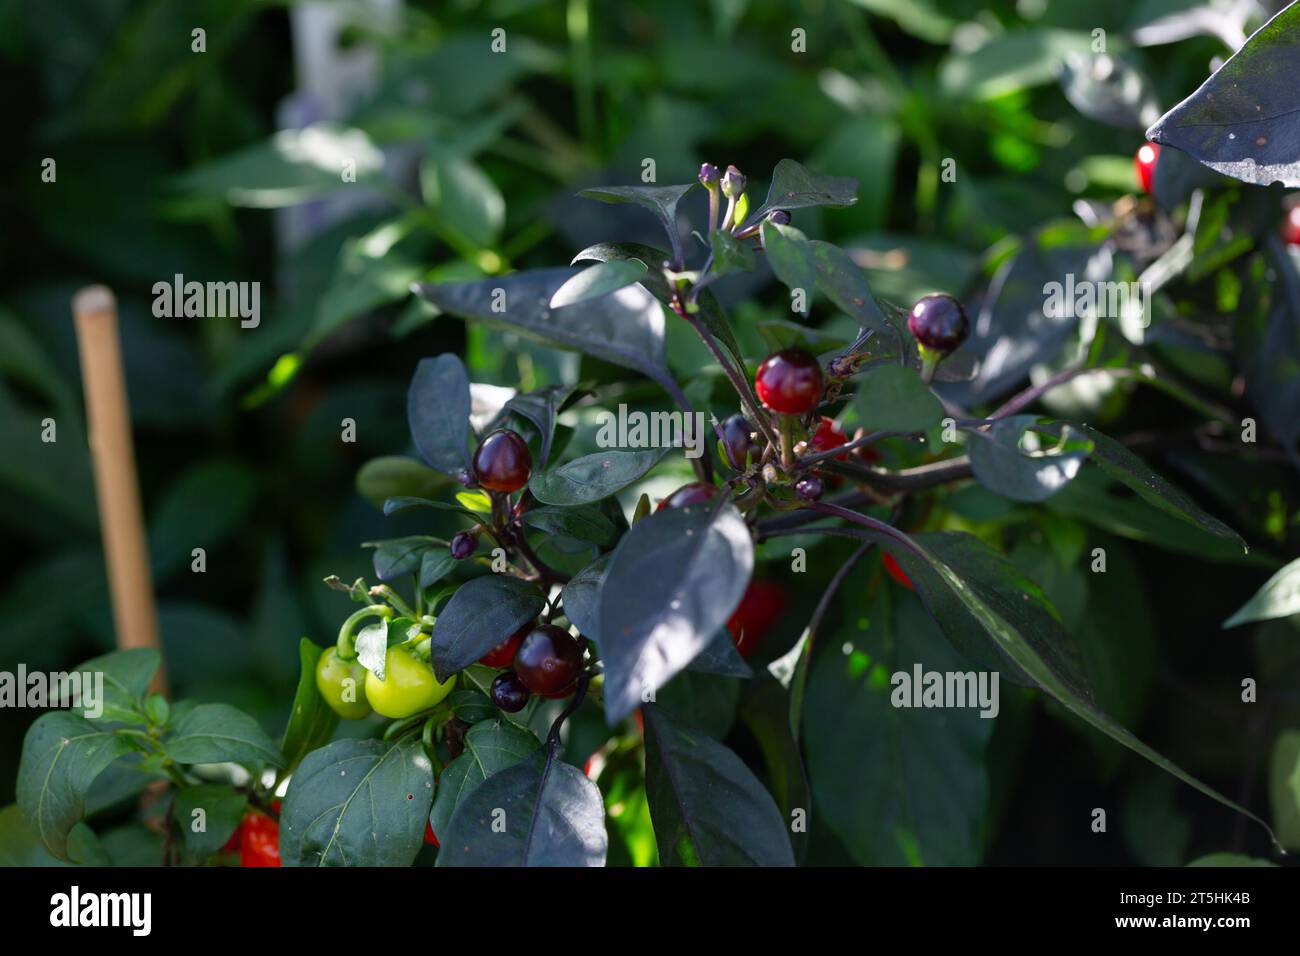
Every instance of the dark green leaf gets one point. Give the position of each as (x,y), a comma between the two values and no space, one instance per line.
(1012,458)
(127,675)
(661,200)
(62,756)
(766,712)
(593,477)
(627,329)
(397,478)
(521,817)
(394,505)
(1278,597)
(791,258)
(216,733)
(893,398)
(1131,471)
(669,589)
(471,706)
(730,254)
(1003,587)
(597,281)
(995,613)
(840,279)
(20,846)
(541,407)
(437,408)
(490,747)
(720,657)
(311,721)
(400,556)
(916,792)
(1242,121)
(435,565)
(479,616)
(1091,497)
(708,808)
(653,258)
(206,832)
(358,803)
(581,597)
(583,522)
(794,187)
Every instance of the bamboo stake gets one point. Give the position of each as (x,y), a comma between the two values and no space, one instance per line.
(108,420)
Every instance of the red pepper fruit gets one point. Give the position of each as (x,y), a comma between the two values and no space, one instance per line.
(259,840)
(897,573)
(754,616)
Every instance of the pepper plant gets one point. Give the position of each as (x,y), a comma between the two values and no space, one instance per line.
(569,599)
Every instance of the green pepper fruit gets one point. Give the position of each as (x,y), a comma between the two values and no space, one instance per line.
(342,684)
(408,686)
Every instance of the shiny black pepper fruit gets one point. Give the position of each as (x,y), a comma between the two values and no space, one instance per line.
(939,323)
(548,660)
(503,462)
(508,692)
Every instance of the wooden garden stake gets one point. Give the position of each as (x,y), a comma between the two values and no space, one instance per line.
(108,420)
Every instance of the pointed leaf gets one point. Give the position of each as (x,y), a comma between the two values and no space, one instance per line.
(554,818)
(893,398)
(791,258)
(1131,471)
(62,756)
(730,254)
(708,808)
(217,733)
(480,615)
(626,328)
(794,187)
(358,803)
(311,721)
(999,622)
(661,200)
(490,747)
(1010,459)
(1279,597)
(593,477)
(1243,121)
(597,281)
(672,583)
(437,408)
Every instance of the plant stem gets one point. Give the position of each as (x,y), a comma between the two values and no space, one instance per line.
(824,604)
(552,741)
(346,649)
(548,573)
(737,382)
(909,479)
(786,424)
